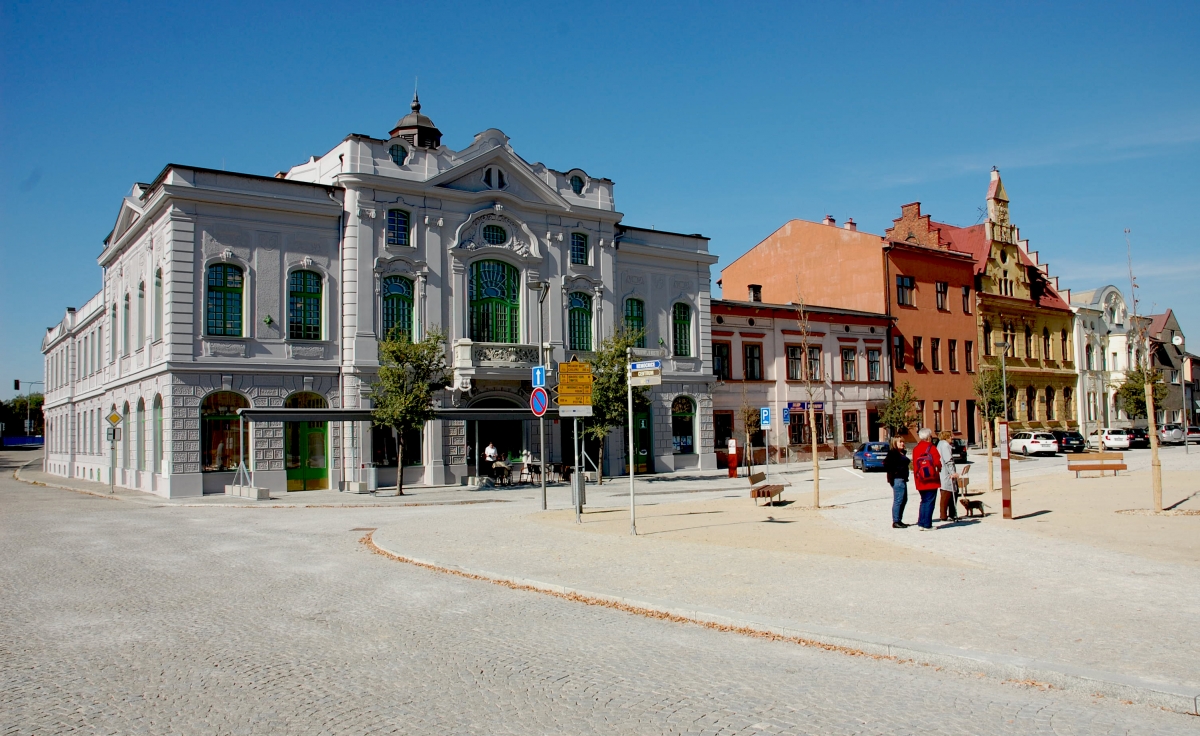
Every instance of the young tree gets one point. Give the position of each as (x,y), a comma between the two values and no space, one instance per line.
(1131,395)
(810,383)
(900,411)
(409,374)
(610,398)
(750,424)
(989,391)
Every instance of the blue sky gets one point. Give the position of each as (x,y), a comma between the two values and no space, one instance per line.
(724,118)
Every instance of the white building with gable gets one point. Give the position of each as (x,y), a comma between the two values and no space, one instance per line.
(225,291)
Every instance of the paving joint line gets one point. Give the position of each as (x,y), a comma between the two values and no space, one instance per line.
(1010,669)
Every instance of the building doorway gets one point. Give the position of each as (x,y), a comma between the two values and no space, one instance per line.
(305,446)
(508,435)
(643,438)
(971,438)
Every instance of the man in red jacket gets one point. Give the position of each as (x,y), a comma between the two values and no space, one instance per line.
(927,476)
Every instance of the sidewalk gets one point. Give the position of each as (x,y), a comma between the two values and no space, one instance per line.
(987,595)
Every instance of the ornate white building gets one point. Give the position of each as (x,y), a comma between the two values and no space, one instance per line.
(1106,341)
(224,291)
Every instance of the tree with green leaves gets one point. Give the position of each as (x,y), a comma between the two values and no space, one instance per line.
(989,395)
(900,411)
(1131,395)
(410,373)
(610,385)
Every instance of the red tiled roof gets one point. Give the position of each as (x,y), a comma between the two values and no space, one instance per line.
(1158,322)
(974,240)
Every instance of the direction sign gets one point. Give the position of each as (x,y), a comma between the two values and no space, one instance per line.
(584,379)
(645,364)
(114,419)
(575,367)
(575,411)
(764,417)
(574,400)
(538,401)
(539,376)
(645,377)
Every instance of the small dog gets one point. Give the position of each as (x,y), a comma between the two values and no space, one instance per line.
(973,505)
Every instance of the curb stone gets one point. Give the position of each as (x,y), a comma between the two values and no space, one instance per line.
(1176,697)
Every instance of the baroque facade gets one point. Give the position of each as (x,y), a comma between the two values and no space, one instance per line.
(1109,341)
(225,291)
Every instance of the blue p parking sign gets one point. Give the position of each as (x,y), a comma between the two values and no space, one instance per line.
(764,417)
(787,415)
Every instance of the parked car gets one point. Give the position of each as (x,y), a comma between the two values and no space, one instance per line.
(870,456)
(1139,437)
(960,450)
(1170,434)
(1109,438)
(1193,435)
(1069,441)
(1033,443)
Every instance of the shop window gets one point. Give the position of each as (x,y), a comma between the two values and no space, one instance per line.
(683,421)
(220,443)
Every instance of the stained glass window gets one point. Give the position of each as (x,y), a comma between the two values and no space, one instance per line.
(397,293)
(304,306)
(495,302)
(579,317)
(224,315)
(398,228)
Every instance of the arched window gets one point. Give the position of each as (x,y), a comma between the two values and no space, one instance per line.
(224,301)
(158,305)
(125,436)
(579,319)
(1050,403)
(125,332)
(1068,406)
(220,444)
(1031,403)
(1089,357)
(397,294)
(1028,342)
(139,442)
(1046,344)
(683,425)
(579,249)
(304,305)
(141,315)
(398,154)
(495,235)
(112,336)
(577,185)
(398,228)
(987,338)
(635,319)
(156,454)
(1010,396)
(1066,355)
(494,302)
(681,318)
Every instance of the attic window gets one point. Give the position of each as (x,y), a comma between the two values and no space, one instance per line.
(1003,256)
(493,178)
(398,154)
(577,184)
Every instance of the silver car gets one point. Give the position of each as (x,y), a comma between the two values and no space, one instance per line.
(1171,434)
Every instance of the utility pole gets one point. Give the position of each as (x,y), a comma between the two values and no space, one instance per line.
(543,289)
(632,469)
(1147,386)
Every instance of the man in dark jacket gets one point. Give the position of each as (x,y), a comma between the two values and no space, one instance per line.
(896,467)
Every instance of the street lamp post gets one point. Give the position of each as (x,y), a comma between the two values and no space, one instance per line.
(1005,474)
(543,288)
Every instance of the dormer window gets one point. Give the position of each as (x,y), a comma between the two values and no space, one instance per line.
(577,184)
(493,178)
(398,153)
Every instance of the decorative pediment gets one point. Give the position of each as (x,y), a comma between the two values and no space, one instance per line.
(519,182)
(494,229)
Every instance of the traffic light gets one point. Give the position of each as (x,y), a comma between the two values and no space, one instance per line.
(16,384)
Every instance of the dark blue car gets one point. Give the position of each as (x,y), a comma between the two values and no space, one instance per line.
(870,456)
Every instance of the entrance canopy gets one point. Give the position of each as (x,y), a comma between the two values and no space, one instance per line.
(364,415)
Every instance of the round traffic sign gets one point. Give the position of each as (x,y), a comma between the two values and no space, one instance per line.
(539,401)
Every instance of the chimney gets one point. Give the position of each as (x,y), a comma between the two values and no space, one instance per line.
(850,225)
(829,220)
(756,292)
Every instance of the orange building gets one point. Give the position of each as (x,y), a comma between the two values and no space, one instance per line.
(910,274)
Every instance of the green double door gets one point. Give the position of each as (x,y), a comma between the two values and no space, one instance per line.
(305,446)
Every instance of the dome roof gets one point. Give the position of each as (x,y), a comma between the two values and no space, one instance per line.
(416,128)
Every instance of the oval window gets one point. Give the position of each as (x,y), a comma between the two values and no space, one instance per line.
(494,235)
(399,155)
(577,184)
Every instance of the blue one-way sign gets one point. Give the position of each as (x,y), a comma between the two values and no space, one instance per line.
(539,376)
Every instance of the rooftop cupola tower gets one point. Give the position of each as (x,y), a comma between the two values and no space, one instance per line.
(417,129)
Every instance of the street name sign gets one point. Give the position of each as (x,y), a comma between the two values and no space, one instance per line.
(646,365)
(645,373)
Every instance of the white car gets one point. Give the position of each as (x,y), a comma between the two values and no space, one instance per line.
(1171,434)
(1032,443)
(1109,438)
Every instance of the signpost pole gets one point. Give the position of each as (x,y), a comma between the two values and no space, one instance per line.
(112,469)
(632,453)
(575,476)
(1005,476)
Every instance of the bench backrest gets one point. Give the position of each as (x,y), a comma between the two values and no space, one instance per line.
(1115,456)
(756,478)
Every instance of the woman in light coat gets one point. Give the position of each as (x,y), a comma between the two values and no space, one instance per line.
(946,508)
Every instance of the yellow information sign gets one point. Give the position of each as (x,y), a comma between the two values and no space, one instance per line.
(114,419)
(575,367)
(572,400)
(575,391)
(576,378)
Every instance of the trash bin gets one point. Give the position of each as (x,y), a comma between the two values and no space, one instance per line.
(372,478)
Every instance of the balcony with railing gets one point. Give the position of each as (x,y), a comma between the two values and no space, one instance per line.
(496,359)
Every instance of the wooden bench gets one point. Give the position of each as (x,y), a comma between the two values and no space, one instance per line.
(759,489)
(1101,461)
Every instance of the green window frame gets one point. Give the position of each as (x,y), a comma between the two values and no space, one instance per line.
(683,426)
(399,225)
(495,235)
(681,318)
(577,185)
(635,319)
(579,320)
(397,295)
(304,305)
(495,306)
(579,249)
(224,300)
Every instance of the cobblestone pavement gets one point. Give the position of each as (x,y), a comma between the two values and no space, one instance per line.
(121,618)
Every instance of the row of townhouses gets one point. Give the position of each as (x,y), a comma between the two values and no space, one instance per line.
(224,292)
